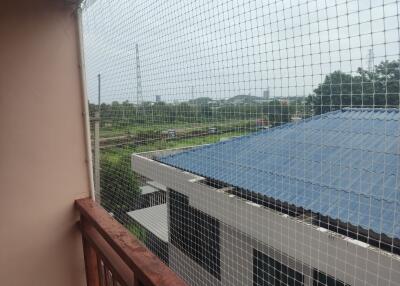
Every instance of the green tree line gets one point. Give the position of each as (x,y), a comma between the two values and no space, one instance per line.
(376,88)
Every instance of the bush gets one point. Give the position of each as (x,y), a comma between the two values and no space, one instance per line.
(118,186)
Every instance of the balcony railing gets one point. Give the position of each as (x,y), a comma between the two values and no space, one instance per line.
(113,256)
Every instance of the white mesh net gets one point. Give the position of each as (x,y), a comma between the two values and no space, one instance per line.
(251,142)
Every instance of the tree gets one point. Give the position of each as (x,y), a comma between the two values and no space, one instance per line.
(378,88)
(278,112)
(119,188)
(201,101)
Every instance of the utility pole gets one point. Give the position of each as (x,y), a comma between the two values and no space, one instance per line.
(97,143)
(139,96)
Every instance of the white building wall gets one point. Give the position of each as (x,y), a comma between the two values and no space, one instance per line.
(189,270)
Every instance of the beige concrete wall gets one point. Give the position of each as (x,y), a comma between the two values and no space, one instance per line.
(42,146)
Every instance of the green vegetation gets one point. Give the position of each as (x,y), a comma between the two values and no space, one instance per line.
(119,187)
(377,88)
(153,130)
(137,231)
(119,154)
(150,119)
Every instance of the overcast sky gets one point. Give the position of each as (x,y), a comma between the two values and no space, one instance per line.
(219,49)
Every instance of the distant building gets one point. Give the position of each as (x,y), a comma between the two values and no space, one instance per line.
(245,99)
(158,98)
(266,94)
(251,202)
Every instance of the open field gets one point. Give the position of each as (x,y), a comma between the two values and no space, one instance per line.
(116,153)
(180,127)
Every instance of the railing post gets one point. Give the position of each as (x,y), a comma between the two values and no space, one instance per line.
(90,256)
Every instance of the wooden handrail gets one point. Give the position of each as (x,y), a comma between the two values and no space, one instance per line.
(104,237)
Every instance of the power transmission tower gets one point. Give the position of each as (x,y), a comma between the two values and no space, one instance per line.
(139,95)
(370,60)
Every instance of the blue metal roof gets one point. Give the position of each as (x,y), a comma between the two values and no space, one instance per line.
(343,164)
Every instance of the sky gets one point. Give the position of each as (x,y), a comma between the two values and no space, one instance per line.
(223,48)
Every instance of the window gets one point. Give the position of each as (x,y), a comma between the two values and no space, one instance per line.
(194,233)
(322,279)
(269,272)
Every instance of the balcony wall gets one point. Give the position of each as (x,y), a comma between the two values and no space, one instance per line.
(42,144)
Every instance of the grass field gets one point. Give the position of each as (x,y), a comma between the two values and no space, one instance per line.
(119,129)
(117,153)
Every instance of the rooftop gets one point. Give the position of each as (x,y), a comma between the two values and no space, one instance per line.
(341,164)
(154,219)
(145,190)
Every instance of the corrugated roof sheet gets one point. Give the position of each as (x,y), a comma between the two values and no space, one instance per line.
(343,164)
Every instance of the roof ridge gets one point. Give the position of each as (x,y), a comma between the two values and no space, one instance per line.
(366,109)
